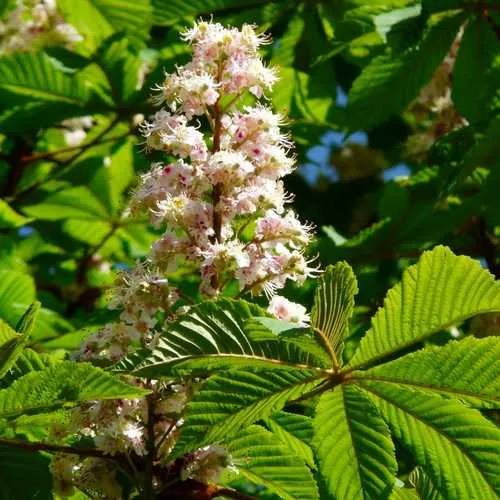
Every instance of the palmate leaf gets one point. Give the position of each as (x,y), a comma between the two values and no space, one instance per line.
(261,458)
(212,336)
(230,401)
(334,305)
(467,370)
(456,445)
(442,289)
(62,384)
(354,448)
(296,432)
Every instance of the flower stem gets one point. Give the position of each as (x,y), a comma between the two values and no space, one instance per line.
(148,492)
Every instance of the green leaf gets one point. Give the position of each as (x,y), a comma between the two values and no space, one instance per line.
(97,19)
(28,361)
(76,202)
(302,95)
(391,81)
(9,218)
(423,485)
(386,21)
(17,292)
(231,401)
(169,12)
(296,432)
(62,384)
(441,290)
(403,494)
(334,305)
(456,445)
(12,348)
(367,242)
(24,474)
(264,460)
(212,336)
(27,322)
(355,451)
(9,347)
(121,66)
(485,153)
(467,370)
(478,48)
(284,54)
(312,348)
(31,76)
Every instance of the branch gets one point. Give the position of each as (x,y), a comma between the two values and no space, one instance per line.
(53,448)
(67,163)
(148,492)
(49,154)
(230,493)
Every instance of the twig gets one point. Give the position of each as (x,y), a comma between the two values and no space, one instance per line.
(148,491)
(65,164)
(52,448)
(228,492)
(49,154)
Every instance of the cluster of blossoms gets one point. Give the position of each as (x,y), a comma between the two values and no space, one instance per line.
(222,200)
(222,206)
(35,23)
(434,111)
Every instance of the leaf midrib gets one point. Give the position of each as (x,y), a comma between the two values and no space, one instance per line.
(434,388)
(249,357)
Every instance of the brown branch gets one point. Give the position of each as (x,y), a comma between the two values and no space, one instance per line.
(52,448)
(64,165)
(230,493)
(148,491)
(49,154)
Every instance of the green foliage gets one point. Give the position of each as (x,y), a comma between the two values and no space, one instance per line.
(24,474)
(213,336)
(334,305)
(466,370)
(353,444)
(476,56)
(344,408)
(296,432)
(391,81)
(59,385)
(233,400)
(264,460)
(456,445)
(438,292)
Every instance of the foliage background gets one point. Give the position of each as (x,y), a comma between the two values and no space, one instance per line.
(349,71)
